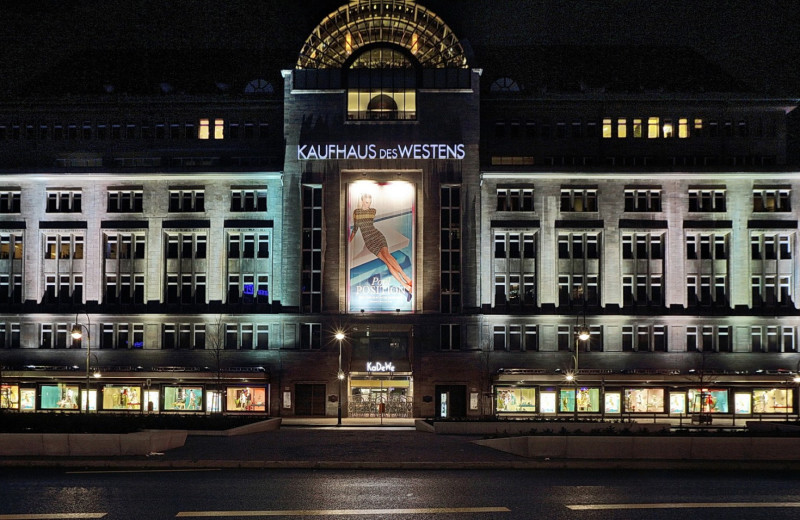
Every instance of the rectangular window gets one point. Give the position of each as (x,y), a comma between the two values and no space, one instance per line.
(186,200)
(310,336)
(707,200)
(622,128)
(511,199)
(653,128)
(10,201)
(311,249)
(248,199)
(683,128)
(579,200)
(643,199)
(637,128)
(63,201)
(450,244)
(125,200)
(450,336)
(772,200)
(608,130)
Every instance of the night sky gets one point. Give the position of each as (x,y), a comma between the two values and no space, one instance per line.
(755,41)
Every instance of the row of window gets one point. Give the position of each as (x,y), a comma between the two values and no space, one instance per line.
(131,200)
(653,127)
(649,199)
(203,128)
(634,338)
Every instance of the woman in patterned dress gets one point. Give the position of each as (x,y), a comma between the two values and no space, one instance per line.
(375,242)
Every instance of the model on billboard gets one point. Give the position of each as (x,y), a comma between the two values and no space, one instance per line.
(375,241)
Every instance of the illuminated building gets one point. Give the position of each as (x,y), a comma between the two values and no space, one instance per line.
(457,217)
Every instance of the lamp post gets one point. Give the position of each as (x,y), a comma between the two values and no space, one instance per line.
(339,337)
(78,334)
(581,335)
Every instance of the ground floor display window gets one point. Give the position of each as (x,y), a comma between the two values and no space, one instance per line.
(516,399)
(644,400)
(183,398)
(151,400)
(122,397)
(704,400)
(27,399)
(548,401)
(9,397)
(587,399)
(374,397)
(246,399)
(742,403)
(59,397)
(772,400)
(213,401)
(613,402)
(677,402)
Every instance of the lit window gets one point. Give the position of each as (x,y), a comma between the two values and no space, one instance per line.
(606,128)
(683,128)
(637,128)
(622,128)
(203,132)
(698,127)
(219,125)
(653,128)
(668,128)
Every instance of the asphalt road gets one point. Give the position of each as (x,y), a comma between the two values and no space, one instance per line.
(433,494)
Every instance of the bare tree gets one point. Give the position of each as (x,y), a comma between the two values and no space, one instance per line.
(215,345)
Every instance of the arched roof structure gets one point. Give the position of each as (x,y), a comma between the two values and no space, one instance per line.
(400,23)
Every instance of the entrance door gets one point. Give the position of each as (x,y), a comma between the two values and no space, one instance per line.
(451,401)
(309,399)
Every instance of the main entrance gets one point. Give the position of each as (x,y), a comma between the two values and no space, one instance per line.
(380,396)
(309,399)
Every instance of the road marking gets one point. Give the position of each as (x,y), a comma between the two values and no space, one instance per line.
(139,471)
(339,512)
(51,516)
(683,505)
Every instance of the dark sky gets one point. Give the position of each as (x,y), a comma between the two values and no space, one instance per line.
(754,40)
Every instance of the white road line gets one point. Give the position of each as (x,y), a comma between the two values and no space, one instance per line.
(139,471)
(684,505)
(339,512)
(51,516)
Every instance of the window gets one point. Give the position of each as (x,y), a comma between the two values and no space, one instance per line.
(578,268)
(310,336)
(239,336)
(63,247)
(708,338)
(122,335)
(450,243)
(608,130)
(707,200)
(622,128)
(697,129)
(123,246)
(772,338)
(683,128)
(514,199)
(187,245)
(10,201)
(707,289)
(643,289)
(643,199)
(183,336)
(567,338)
(579,199)
(771,290)
(499,337)
(9,335)
(514,282)
(206,131)
(262,337)
(64,201)
(10,287)
(668,129)
(450,336)
(186,200)
(637,128)
(772,200)
(125,200)
(248,199)
(653,127)
(311,247)
(644,338)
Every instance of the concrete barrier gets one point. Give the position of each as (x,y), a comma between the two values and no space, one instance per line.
(256,427)
(89,444)
(648,448)
(527,427)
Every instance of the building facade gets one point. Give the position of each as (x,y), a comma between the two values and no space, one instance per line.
(458,222)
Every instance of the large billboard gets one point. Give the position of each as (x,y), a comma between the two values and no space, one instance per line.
(381,227)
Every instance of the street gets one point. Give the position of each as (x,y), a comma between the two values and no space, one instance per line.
(480,495)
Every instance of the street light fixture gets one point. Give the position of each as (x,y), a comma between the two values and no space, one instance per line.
(581,335)
(78,334)
(339,337)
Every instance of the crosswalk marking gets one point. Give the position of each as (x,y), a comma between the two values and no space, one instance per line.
(683,505)
(339,512)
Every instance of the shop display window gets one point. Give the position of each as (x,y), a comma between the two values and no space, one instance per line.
(708,401)
(246,399)
(772,400)
(183,398)
(548,402)
(613,402)
(644,400)
(513,399)
(588,399)
(742,403)
(151,400)
(213,401)
(677,402)
(27,399)
(60,397)
(122,397)
(9,397)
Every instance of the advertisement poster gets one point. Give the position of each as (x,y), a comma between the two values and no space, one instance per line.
(246,399)
(183,398)
(60,397)
(9,397)
(380,246)
(117,397)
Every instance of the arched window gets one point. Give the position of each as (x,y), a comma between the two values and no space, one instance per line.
(504,84)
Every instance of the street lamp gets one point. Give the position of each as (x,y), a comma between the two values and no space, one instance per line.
(77,334)
(339,337)
(581,335)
